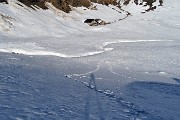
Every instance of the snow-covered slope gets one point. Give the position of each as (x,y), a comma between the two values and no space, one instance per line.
(52,22)
(47,56)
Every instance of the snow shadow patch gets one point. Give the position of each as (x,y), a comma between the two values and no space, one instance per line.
(156,98)
(176,79)
(88,99)
(166,88)
(128,109)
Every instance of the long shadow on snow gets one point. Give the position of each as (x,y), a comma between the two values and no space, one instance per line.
(172,89)
(88,98)
(155,96)
(134,110)
(176,79)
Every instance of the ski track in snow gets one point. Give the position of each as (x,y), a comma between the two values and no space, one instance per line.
(33,49)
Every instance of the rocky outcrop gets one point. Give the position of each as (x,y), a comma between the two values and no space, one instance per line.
(105,2)
(39,3)
(64,4)
(149,5)
(95,22)
(142,2)
(6,23)
(3,1)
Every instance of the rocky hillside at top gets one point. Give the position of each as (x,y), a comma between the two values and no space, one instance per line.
(64,4)
(92,16)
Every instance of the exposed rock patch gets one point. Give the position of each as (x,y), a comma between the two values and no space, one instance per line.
(95,22)
(3,1)
(143,3)
(64,4)
(6,22)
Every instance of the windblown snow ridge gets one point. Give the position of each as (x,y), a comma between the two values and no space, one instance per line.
(34,49)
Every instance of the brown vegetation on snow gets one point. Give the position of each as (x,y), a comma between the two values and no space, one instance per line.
(64,4)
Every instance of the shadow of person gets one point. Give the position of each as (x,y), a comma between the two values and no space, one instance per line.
(89,98)
(160,2)
(92,83)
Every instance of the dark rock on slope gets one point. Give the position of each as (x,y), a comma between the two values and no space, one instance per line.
(64,4)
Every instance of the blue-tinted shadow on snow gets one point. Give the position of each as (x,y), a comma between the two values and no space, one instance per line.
(133,109)
(88,100)
(166,88)
(156,98)
(176,79)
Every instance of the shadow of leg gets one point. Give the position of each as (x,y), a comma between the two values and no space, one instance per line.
(89,97)
(87,106)
(92,80)
(100,111)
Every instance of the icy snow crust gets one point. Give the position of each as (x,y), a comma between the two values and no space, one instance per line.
(47,56)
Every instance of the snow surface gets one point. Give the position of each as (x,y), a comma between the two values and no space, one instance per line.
(47,56)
